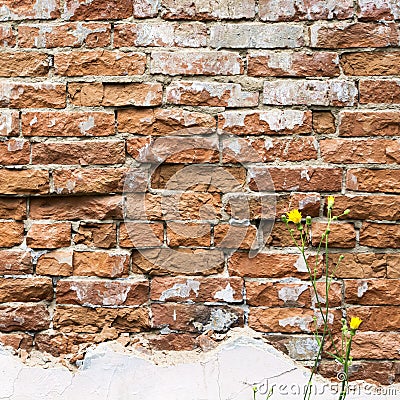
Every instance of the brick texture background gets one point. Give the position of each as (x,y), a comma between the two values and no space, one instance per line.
(100,98)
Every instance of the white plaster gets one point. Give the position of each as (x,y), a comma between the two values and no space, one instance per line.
(85,126)
(303,322)
(181,290)
(362,288)
(291,293)
(15,145)
(226,294)
(300,264)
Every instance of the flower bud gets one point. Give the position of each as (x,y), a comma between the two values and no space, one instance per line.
(347,211)
(308,220)
(284,218)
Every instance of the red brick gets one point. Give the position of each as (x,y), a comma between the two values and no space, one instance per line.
(85,320)
(196,318)
(187,9)
(272,63)
(145,8)
(350,151)
(115,94)
(199,63)
(15,262)
(393,265)
(23,64)
(52,123)
(379,91)
(57,263)
(14,208)
(373,10)
(25,289)
(310,92)
(99,62)
(32,95)
(29,9)
(181,34)
(296,179)
(246,150)
(197,289)
(24,318)
(271,122)
(64,35)
(380,235)
(373,292)
(15,152)
(188,234)
(348,35)
(371,63)
(11,234)
(269,265)
(97,10)
(100,263)
(9,124)
(141,234)
(323,122)
(83,153)
(341,234)
(378,345)
(210,94)
(76,207)
(164,122)
(369,123)
(173,341)
(236,237)
(17,341)
(377,319)
(8,37)
(305,10)
(373,180)
(49,236)
(102,293)
(96,235)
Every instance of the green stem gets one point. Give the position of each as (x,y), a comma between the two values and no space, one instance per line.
(343,392)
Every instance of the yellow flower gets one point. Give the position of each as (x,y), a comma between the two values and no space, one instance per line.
(355,322)
(331,201)
(294,216)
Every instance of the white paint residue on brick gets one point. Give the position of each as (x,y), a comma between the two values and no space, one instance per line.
(81,32)
(226,294)
(362,288)
(220,320)
(303,322)
(44,8)
(33,121)
(5,123)
(300,264)
(279,120)
(85,126)
(15,144)
(40,40)
(304,174)
(291,293)
(181,290)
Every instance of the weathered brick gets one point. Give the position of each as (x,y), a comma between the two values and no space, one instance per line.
(83,153)
(166,261)
(163,122)
(24,64)
(7,36)
(264,150)
(372,292)
(25,289)
(64,35)
(76,10)
(197,289)
(188,234)
(306,203)
(377,10)
(379,91)
(378,345)
(310,92)
(210,94)
(256,36)
(195,317)
(174,149)
(348,35)
(12,208)
(99,180)
(352,151)
(199,63)
(323,122)
(115,94)
(165,34)
(380,235)
(76,207)
(32,95)
(273,63)
(8,123)
(341,235)
(377,319)
(53,123)
(371,63)
(393,265)
(27,181)
(283,10)
(86,320)
(28,9)
(369,123)
(199,9)
(145,8)
(49,236)
(56,263)
(270,122)
(24,317)
(236,237)
(15,152)
(100,263)
(141,234)
(17,341)
(96,235)
(373,180)
(102,293)
(295,179)
(99,62)
(15,262)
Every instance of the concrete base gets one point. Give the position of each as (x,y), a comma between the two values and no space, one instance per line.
(229,372)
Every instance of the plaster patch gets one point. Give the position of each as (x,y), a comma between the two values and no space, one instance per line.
(181,290)
(362,288)
(226,294)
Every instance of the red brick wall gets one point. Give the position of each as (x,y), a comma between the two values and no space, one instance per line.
(144,145)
